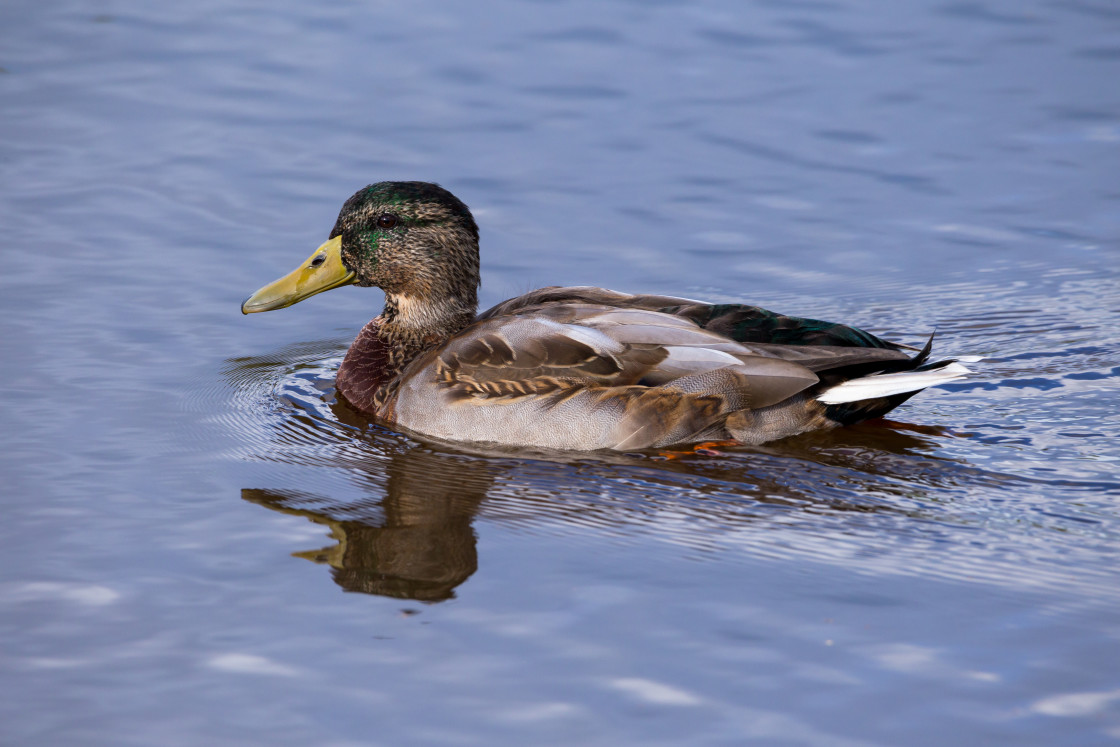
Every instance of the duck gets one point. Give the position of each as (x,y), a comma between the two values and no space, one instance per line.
(577,368)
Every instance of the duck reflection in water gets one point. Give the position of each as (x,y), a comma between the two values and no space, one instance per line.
(413,536)
(417,542)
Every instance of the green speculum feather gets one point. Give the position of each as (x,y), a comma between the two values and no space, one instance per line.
(753,324)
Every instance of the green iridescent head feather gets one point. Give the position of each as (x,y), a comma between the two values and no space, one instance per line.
(412,238)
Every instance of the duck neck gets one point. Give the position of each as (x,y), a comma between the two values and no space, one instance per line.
(406,317)
(407,327)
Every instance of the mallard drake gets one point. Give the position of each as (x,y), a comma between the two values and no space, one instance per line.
(582,367)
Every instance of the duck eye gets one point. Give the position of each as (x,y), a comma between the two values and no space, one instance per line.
(388,220)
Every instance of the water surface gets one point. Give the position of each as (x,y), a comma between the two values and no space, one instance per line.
(202,546)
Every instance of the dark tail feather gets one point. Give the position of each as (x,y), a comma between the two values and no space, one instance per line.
(850,413)
(923,354)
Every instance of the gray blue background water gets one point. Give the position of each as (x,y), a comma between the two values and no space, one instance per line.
(199,547)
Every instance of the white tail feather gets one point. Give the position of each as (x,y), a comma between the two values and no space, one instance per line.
(884,385)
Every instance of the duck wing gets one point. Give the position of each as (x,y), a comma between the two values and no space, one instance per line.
(579,375)
(818,345)
(738,322)
(573,345)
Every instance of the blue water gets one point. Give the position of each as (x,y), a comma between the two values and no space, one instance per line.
(200,546)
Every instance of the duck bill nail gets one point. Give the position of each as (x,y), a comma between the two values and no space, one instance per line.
(322,271)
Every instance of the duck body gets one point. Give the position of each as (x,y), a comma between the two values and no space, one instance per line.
(578,368)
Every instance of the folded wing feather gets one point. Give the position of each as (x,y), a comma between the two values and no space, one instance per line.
(600,346)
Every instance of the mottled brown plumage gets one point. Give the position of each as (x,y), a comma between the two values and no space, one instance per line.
(578,368)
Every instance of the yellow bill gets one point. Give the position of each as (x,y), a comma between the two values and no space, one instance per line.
(322,271)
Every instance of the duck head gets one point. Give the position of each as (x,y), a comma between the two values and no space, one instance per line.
(414,240)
